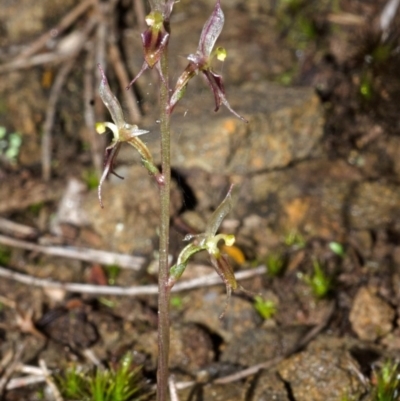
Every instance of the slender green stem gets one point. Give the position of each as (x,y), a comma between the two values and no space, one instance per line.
(163,290)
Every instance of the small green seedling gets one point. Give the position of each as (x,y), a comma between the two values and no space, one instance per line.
(10,144)
(121,384)
(337,248)
(387,382)
(266,308)
(113,272)
(275,264)
(90,178)
(347,398)
(40,394)
(176,302)
(107,302)
(5,255)
(295,240)
(319,282)
(366,87)
(36,208)
(73,385)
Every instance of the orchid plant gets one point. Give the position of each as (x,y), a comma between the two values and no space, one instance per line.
(155,47)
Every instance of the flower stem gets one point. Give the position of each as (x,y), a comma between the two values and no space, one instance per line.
(163,274)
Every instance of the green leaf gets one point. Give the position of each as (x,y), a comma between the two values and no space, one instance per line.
(219,214)
(266,308)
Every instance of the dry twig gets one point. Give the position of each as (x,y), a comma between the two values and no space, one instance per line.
(84,254)
(19,382)
(7,358)
(55,94)
(140,14)
(50,382)
(29,370)
(123,78)
(11,368)
(65,23)
(387,16)
(19,230)
(50,114)
(205,281)
(35,375)
(173,392)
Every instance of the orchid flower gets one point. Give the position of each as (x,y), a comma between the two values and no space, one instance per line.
(208,241)
(201,61)
(122,132)
(155,38)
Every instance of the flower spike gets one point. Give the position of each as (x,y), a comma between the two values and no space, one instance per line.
(201,62)
(208,241)
(122,132)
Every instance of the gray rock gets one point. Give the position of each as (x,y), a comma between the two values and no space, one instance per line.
(128,223)
(322,374)
(207,305)
(310,197)
(230,392)
(285,125)
(25,19)
(370,316)
(262,344)
(270,387)
(191,348)
(374,204)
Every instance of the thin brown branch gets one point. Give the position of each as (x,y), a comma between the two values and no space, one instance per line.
(84,254)
(59,56)
(123,79)
(205,281)
(66,22)
(11,368)
(50,114)
(387,17)
(346,19)
(40,59)
(54,95)
(49,380)
(6,360)
(24,381)
(16,229)
(29,370)
(140,12)
(173,392)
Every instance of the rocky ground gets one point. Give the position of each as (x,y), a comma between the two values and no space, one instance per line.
(316,214)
